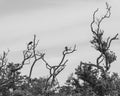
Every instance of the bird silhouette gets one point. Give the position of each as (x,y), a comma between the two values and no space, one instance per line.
(30,43)
(66,48)
(29,46)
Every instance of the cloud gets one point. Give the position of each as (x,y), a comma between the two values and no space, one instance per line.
(64,22)
(23,6)
(17,6)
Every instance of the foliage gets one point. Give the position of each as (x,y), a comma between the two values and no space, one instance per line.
(92,79)
(12,82)
(96,78)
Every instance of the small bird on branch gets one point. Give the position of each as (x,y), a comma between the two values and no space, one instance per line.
(30,43)
(66,48)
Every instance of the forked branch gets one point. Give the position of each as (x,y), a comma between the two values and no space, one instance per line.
(102,45)
(55,70)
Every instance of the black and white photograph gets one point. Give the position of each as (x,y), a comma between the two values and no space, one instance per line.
(59,48)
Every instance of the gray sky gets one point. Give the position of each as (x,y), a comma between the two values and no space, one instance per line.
(56,23)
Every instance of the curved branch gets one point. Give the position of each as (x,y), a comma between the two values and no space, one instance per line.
(114,38)
(93,65)
(91,25)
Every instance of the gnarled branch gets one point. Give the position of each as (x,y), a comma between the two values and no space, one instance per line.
(55,70)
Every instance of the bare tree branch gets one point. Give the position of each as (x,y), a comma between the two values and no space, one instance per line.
(55,70)
(109,41)
(101,45)
(34,54)
(91,25)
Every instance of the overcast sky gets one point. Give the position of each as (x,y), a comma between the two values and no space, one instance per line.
(56,23)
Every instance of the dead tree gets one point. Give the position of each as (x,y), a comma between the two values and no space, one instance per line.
(106,57)
(32,55)
(8,70)
(103,46)
(55,70)
(89,71)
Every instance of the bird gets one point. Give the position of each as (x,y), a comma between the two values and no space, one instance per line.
(66,48)
(30,43)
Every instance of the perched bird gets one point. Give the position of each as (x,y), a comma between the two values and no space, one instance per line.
(30,43)
(66,48)
(29,46)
